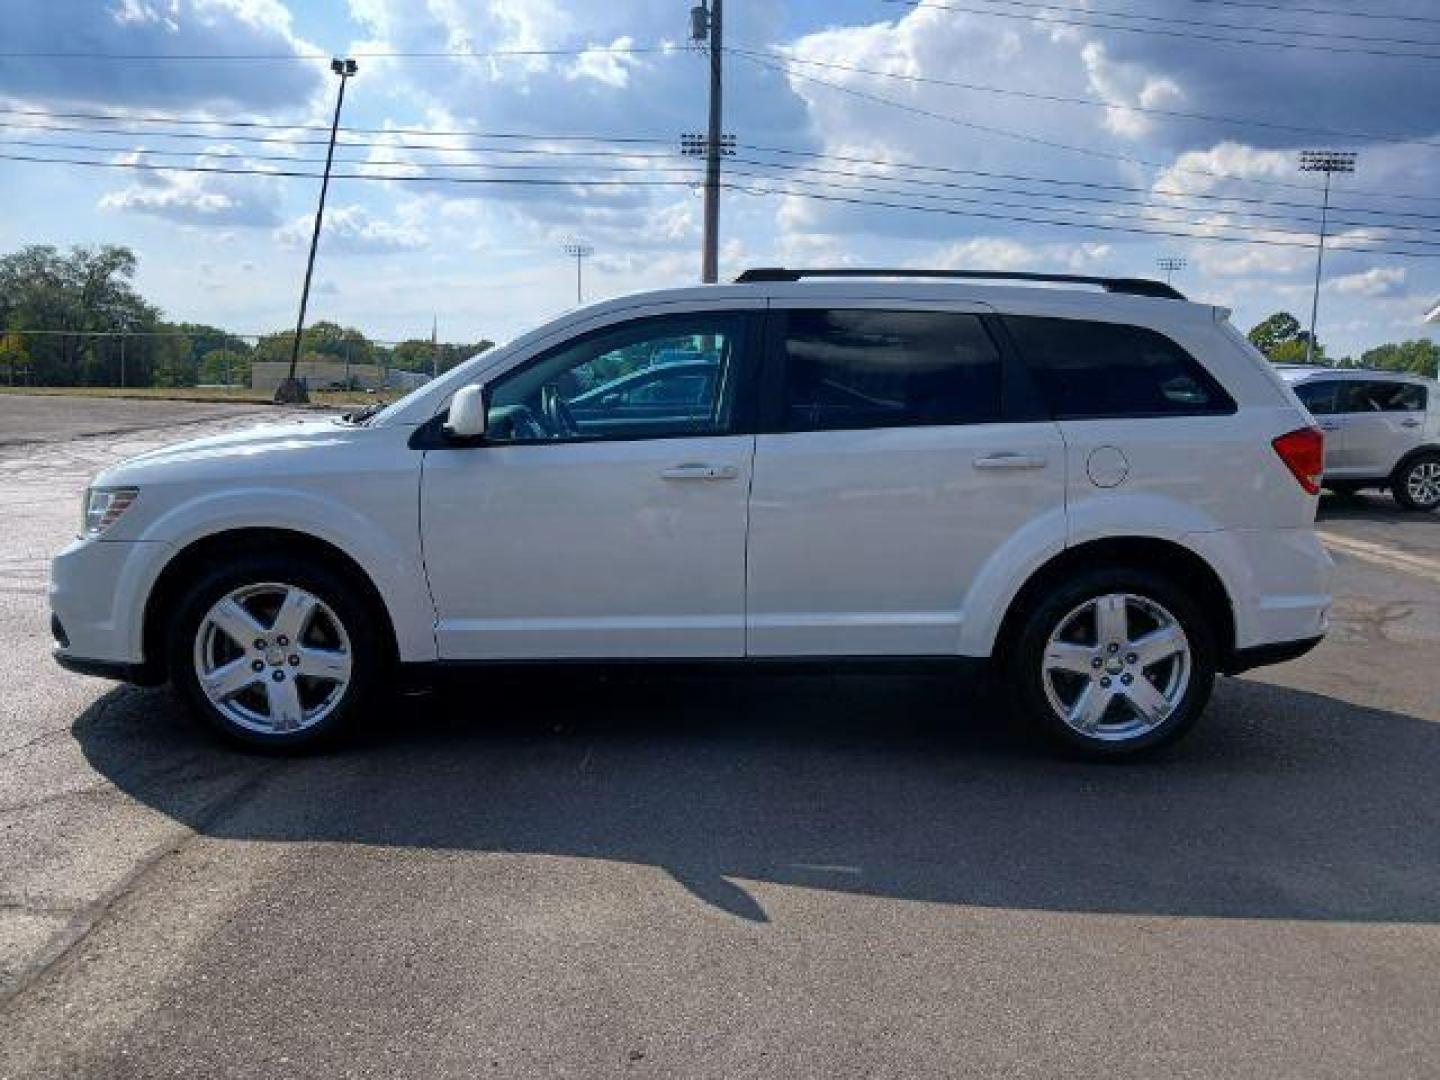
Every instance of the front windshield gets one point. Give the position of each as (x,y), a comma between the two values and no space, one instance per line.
(380,412)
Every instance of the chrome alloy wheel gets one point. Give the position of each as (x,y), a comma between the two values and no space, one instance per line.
(272,658)
(1422,483)
(1116,667)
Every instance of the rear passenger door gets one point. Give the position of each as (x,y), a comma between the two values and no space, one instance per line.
(1384,421)
(892,463)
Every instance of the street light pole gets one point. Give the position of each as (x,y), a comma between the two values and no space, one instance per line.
(291,390)
(1328,162)
(579,251)
(1170,264)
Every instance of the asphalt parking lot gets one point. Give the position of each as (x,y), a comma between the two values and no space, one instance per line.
(827,875)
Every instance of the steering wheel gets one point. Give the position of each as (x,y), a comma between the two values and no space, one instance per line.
(558,417)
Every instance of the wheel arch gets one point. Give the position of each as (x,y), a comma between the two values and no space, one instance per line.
(1189,570)
(203,553)
(1410,455)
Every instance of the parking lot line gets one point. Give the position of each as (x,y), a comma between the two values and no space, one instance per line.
(1383,555)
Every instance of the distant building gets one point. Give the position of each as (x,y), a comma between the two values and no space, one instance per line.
(266,375)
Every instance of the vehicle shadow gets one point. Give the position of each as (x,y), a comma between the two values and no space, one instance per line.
(1370,506)
(1282,804)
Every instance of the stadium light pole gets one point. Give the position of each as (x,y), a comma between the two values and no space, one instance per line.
(292,390)
(579,251)
(1328,162)
(1170,264)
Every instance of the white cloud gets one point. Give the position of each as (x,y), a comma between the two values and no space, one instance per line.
(201,199)
(160,27)
(352,230)
(1376,281)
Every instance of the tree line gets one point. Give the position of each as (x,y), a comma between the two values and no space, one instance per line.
(1284,341)
(74,319)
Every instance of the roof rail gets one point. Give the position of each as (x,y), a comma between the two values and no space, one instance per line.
(1130,286)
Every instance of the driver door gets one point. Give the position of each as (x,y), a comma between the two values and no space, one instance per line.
(587,533)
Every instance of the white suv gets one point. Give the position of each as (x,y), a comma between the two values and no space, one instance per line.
(1110,494)
(1382,430)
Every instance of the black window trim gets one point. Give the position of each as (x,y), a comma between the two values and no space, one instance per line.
(431,435)
(1019,400)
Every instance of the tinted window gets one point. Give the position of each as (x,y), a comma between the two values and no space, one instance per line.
(1092,369)
(1382,397)
(862,368)
(1319,397)
(667,376)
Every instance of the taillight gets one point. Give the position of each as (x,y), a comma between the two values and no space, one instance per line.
(1303,452)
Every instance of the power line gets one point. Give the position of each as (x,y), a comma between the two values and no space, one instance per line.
(1287,8)
(1250,230)
(273,126)
(1090,102)
(1175,20)
(1028,15)
(552,151)
(451,54)
(1079,225)
(1249,237)
(680,168)
(1036,139)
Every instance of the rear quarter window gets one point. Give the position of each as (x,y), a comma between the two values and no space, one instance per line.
(1089,370)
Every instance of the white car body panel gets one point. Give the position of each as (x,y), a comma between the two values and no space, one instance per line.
(886,541)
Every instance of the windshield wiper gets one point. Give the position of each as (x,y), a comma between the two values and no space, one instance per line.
(359,416)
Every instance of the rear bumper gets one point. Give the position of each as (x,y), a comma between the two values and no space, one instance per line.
(1277,652)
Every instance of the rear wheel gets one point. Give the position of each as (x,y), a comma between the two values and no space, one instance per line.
(1416,484)
(1113,662)
(275,652)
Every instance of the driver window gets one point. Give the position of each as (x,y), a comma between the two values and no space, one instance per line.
(652,378)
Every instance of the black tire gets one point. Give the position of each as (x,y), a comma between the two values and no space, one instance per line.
(1404,483)
(1026,679)
(346,603)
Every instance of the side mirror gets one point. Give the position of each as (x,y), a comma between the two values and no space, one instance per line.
(467,413)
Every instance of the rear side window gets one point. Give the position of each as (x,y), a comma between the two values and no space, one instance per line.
(1365,397)
(1319,397)
(1096,369)
(863,368)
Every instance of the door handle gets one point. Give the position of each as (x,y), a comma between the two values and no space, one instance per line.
(1409,423)
(699,470)
(1009,461)
(1329,427)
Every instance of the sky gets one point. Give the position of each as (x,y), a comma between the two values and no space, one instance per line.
(479,137)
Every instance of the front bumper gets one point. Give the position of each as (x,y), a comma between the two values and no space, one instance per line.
(98,591)
(118,670)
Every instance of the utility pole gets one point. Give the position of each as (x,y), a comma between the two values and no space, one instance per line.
(291,390)
(708,24)
(1328,162)
(1170,264)
(434,346)
(579,251)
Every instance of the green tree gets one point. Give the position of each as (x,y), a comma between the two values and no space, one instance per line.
(14,359)
(1282,340)
(418,354)
(82,300)
(1419,357)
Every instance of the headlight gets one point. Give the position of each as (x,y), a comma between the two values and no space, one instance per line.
(103,507)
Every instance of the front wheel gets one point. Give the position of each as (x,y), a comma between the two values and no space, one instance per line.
(274,652)
(1113,662)
(1416,484)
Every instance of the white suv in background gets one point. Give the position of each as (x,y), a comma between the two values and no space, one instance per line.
(1382,430)
(1108,494)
